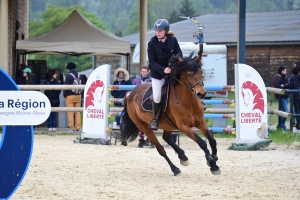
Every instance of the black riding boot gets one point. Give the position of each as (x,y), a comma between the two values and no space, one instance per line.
(154,122)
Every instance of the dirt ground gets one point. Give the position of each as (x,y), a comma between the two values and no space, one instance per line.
(61,169)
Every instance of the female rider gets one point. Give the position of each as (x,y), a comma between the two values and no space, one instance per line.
(160,49)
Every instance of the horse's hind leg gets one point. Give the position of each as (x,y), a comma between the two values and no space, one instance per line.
(167,136)
(153,139)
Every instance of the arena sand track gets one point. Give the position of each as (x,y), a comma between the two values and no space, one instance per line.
(60,169)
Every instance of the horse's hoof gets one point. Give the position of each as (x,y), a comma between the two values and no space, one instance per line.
(184,163)
(176,172)
(216,172)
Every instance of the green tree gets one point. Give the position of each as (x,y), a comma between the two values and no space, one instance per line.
(134,17)
(187,8)
(174,17)
(51,18)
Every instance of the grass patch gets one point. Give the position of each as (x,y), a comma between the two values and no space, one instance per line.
(284,137)
(224,135)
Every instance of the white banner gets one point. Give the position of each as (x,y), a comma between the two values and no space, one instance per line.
(251,105)
(95,110)
(23,108)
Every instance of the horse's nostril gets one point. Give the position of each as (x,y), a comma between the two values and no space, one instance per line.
(200,95)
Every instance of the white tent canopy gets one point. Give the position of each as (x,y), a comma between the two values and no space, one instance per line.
(75,36)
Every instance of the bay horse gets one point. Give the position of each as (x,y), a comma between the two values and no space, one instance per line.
(184,110)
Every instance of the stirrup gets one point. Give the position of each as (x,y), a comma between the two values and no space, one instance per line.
(153,124)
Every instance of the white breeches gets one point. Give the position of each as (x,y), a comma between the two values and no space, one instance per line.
(156,88)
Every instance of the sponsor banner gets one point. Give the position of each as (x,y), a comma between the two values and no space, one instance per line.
(251,105)
(23,108)
(95,109)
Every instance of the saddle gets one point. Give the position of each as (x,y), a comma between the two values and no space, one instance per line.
(148,98)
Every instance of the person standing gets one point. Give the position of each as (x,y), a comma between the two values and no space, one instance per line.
(295,84)
(143,78)
(28,78)
(281,81)
(160,49)
(121,77)
(20,79)
(53,96)
(290,79)
(73,97)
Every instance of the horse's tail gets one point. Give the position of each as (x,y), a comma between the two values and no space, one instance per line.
(129,130)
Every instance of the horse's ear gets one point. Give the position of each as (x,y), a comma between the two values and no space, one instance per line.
(198,59)
(180,59)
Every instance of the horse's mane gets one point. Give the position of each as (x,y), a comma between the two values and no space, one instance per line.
(188,64)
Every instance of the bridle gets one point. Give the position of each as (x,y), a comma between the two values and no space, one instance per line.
(190,86)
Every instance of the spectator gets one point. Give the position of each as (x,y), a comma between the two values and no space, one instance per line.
(20,79)
(84,78)
(294,72)
(142,79)
(53,96)
(281,81)
(121,77)
(73,98)
(295,84)
(28,77)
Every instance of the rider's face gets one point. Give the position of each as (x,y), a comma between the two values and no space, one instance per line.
(160,34)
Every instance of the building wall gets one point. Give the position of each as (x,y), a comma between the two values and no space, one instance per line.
(17,31)
(265,59)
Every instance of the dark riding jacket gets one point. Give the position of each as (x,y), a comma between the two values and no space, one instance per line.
(281,81)
(159,54)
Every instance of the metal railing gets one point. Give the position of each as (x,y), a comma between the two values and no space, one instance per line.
(81,87)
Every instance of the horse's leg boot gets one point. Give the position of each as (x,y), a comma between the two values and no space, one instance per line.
(154,122)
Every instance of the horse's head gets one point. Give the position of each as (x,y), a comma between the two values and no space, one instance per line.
(188,71)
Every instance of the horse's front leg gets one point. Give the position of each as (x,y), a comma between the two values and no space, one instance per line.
(167,136)
(153,139)
(211,159)
(212,141)
(215,170)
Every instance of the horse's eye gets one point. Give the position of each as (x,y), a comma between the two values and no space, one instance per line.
(188,75)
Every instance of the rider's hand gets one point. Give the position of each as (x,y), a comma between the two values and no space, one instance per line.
(167,70)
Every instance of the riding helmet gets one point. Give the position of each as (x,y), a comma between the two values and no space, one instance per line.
(161,24)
